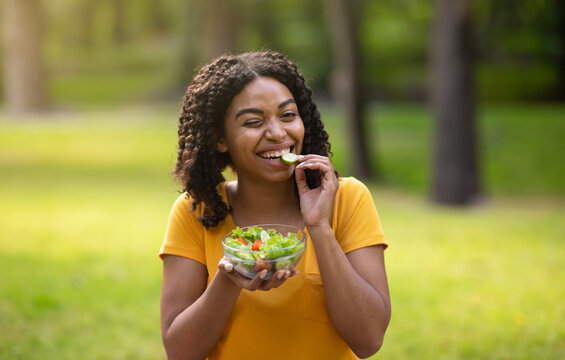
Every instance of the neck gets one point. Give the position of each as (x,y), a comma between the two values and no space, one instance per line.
(255,203)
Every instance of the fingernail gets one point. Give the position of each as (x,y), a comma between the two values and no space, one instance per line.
(228,267)
(263,274)
(280,275)
(300,157)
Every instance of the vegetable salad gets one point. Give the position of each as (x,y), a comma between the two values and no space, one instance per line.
(254,249)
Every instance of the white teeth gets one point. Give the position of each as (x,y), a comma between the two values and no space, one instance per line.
(274,154)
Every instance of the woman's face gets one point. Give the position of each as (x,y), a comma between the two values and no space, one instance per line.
(261,124)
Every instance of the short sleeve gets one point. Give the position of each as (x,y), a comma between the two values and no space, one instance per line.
(184,234)
(355,218)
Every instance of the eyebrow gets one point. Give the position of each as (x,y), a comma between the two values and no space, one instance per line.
(286,102)
(259,111)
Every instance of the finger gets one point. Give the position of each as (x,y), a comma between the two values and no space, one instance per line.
(316,165)
(325,167)
(300,178)
(225,264)
(276,280)
(273,282)
(307,157)
(257,280)
(314,158)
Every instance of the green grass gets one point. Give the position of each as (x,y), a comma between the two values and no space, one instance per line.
(480,283)
(83,206)
(84,198)
(520,147)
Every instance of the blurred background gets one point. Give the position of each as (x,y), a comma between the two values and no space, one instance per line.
(452,112)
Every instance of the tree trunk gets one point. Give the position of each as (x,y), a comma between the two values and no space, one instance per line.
(560,9)
(191,49)
(23,63)
(119,26)
(158,21)
(455,175)
(343,19)
(86,13)
(222,26)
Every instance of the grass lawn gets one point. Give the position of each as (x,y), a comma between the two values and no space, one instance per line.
(85,199)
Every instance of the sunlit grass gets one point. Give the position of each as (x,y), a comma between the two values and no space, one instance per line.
(84,200)
(475,283)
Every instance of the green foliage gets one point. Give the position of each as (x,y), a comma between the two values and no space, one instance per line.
(394,41)
(85,199)
(518,48)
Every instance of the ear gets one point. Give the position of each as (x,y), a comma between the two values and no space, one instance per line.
(221,145)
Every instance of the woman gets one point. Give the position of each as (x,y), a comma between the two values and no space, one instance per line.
(244,112)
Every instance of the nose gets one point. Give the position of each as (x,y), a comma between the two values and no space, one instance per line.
(275,130)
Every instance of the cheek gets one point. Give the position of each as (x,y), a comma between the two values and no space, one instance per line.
(298,130)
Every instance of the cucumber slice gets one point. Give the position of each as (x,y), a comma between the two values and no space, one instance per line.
(289,158)
(264,236)
(244,255)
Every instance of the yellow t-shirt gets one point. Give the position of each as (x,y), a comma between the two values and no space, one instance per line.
(292,321)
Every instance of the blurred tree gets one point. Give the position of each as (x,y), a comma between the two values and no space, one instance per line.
(221,27)
(347,86)
(265,24)
(86,13)
(455,175)
(517,44)
(258,25)
(119,22)
(158,18)
(191,53)
(210,29)
(560,58)
(24,73)
(395,40)
(301,32)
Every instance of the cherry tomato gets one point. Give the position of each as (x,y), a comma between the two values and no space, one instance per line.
(256,245)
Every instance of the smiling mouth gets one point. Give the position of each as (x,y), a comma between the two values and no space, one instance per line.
(275,155)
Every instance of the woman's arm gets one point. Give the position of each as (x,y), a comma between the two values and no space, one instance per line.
(356,290)
(355,284)
(193,317)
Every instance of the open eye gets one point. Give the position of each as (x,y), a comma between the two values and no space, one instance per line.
(288,116)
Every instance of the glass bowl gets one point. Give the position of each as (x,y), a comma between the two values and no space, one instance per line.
(272,257)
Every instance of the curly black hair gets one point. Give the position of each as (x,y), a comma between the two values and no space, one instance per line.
(201,123)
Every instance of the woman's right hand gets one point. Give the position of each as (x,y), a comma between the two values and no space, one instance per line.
(257,283)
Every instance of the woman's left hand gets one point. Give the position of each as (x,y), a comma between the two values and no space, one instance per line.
(316,204)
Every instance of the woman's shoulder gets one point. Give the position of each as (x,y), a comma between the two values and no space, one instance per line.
(187,202)
(184,202)
(351,192)
(351,184)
